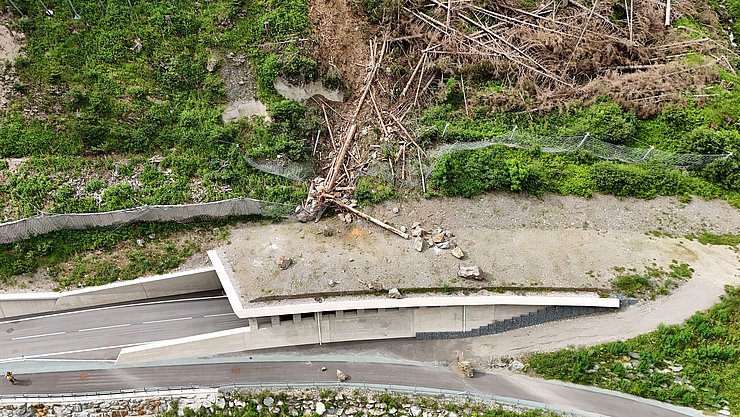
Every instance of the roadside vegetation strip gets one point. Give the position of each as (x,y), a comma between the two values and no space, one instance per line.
(74,258)
(696,364)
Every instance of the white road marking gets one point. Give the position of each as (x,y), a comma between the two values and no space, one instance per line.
(104,327)
(166,320)
(112,307)
(41,355)
(219,315)
(37,335)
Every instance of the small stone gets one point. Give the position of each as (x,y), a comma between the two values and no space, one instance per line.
(724,412)
(417,231)
(419,244)
(320,408)
(415,410)
(341,376)
(439,238)
(415,225)
(268,401)
(140,242)
(634,355)
(395,294)
(516,366)
(211,64)
(323,369)
(395,210)
(443,245)
(332,283)
(284,262)
(327,231)
(470,272)
(403,229)
(457,252)
(677,368)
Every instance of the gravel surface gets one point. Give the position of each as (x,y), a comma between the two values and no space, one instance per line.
(516,240)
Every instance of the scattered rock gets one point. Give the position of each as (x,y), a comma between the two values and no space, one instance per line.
(443,245)
(394,293)
(724,412)
(395,210)
(341,376)
(327,231)
(516,366)
(140,242)
(156,159)
(403,229)
(469,272)
(284,262)
(466,368)
(457,252)
(415,410)
(332,283)
(439,238)
(211,64)
(323,369)
(677,368)
(320,408)
(634,355)
(419,244)
(268,401)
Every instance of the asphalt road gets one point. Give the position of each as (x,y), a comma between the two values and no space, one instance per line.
(100,333)
(514,386)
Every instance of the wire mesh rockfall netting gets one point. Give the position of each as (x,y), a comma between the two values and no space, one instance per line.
(410,176)
(37,225)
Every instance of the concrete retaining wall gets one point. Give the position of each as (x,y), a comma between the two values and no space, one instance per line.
(198,280)
(341,326)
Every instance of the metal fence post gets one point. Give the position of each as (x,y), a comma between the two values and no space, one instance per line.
(583,140)
(647,153)
(511,138)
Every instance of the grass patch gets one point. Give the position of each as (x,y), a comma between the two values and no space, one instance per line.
(135,82)
(706,238)
(81,258)
(373,190)
(655,281)
(696,364)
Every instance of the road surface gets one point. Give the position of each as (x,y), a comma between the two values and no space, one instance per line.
(212,375)
(100,333)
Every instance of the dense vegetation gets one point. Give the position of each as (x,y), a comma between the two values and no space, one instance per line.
(708,129)
(655,281)
(140,81)
(696,364)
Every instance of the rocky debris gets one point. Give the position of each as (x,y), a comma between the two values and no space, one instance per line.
(415,410)
(372,285)
(341,376)
(268,401)
(156,159)
(395,210)
(212,64)
(419,244)
(323,369)
(332,283)
(470,272)
(457,252)
(140,243)
(439,238)
(516,366)
(466,368)
(284,262)
(328,231)
(345,217)
(394,293)
(320,408)
(137,45)
(443,245)
(404,229)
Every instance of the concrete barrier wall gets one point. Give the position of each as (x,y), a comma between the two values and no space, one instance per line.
(198,280)
(320,328)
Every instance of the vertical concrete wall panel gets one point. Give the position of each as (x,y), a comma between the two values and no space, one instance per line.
(438,319)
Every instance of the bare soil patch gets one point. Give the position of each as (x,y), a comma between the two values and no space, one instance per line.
(342,36)
(516,240)
(10,47)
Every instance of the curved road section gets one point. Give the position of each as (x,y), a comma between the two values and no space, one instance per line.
(557,395)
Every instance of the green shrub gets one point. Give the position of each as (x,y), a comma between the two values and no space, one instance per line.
(373,190)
